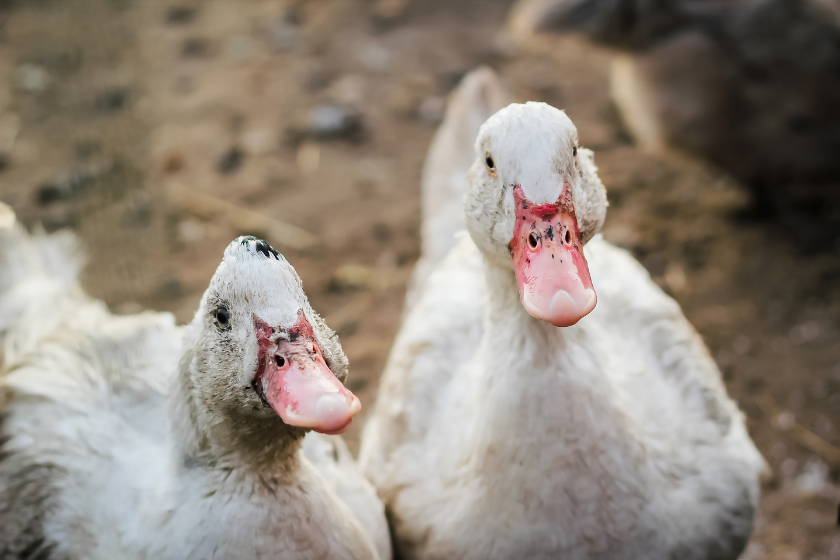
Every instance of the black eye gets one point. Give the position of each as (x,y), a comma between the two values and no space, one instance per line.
(574,151)
(222,316)
(490,163)
(280,361)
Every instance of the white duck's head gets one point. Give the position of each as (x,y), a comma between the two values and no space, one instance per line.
(533,199)
(259,350)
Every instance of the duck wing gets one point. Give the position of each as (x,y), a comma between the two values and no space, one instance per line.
(439,334)
(450,156)
(666,370)
(85,433)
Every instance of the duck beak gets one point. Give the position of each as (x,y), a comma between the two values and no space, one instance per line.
(553,277)
(293,378)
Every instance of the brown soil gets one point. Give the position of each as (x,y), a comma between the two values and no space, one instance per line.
(159,131)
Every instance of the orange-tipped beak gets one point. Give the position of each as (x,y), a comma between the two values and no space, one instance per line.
(295,380)
(553,277)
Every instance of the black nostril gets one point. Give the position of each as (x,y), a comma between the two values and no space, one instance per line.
(568,237)
(533,241)
(280,361)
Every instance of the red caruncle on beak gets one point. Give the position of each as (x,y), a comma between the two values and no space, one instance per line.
(551,271)
(294,379)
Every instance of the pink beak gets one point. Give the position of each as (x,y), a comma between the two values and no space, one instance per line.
(553,278)
(294,379)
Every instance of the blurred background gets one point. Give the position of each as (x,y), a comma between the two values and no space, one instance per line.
(159,130)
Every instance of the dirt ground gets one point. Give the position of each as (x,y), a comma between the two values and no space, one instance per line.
(160,130)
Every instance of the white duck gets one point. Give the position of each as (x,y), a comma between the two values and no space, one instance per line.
(129,437)
(499,435)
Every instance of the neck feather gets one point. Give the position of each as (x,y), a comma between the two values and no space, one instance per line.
(536,390)
(216,439)
(509,327)
(516,344)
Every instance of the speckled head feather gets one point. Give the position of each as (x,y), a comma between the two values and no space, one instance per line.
(253,278)
(252,266)
(253,283)
(258,245)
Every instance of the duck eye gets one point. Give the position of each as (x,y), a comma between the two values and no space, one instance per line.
(280,361)
(222,316)
(490,163)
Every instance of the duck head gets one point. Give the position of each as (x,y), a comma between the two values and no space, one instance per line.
(261,351)
(533,200)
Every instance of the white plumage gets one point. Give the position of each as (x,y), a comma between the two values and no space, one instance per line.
(500,436)
(131,437)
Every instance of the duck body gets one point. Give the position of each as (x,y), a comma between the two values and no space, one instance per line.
(498,435)
(104,455)
(613,438)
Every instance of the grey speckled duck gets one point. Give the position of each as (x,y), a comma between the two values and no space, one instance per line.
(131,437)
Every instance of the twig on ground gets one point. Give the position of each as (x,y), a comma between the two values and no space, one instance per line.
(798,432)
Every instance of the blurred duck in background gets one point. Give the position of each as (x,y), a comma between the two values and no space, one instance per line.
(130,437)
(517,419)
(750,85)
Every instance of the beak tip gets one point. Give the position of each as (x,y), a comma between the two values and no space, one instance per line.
(564,310)
(333,409)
